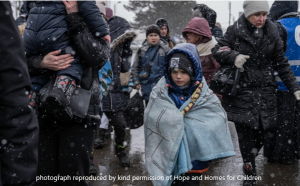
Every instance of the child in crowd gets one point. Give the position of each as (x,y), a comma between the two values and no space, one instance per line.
(185,124)
(46,33)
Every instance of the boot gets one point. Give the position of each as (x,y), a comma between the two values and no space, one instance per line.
(60,96)
(107,133)
(92,168)
(100,141)
(121,154)
(249,171)
(33,99)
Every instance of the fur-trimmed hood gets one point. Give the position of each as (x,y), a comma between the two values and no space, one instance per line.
(120,29)
(127,35)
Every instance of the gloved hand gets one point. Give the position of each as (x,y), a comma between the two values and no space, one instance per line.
(240,60)
(297,95)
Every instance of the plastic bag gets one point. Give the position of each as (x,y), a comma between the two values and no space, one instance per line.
(134,113)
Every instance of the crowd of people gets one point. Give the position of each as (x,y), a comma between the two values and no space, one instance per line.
(54,108)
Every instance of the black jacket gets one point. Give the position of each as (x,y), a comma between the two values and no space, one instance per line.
(120,29)
(93,53)
(46,28)
(256,97)
(18,123)
(211,16)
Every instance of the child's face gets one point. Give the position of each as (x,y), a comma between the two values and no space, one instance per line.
(153,38)
(180,77)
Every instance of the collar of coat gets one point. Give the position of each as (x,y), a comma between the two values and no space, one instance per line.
(289,15)
(127,35)
(204,49)
(244,31)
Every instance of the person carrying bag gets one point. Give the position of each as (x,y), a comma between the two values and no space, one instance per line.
(226,80)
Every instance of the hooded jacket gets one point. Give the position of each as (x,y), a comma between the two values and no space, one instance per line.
(256,97)
(210,15)
(46,29)
(196,131)
(120,29)
(143,58)
(200,27)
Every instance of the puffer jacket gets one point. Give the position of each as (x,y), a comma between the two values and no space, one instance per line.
(143,58)
(116,99)
(256,97)
(93,52)
(46,28)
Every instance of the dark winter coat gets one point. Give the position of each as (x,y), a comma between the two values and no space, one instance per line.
(143,58)
(18,123)
(46,28)
(93,53)
(217,32)
(120,29)
(210,15)
(256,97)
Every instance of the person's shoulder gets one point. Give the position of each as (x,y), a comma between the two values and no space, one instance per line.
(164,45)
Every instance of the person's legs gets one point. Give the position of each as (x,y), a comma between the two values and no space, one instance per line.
(117,120)
(47,153)
(37,82)
(63,89)
(250,144)
(75,147)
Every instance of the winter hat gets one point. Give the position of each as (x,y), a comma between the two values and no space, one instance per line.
(279,8)
(251,7)
(181,61)
(200,27)
(152,29)
(202,10)
(162,22)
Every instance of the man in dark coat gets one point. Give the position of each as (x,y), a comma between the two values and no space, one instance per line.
(18,123)
(260,53)
(286,140)
(114,103)
(202,10)
(65,147)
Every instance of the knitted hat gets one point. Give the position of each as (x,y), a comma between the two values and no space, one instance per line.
(251,7)
(181,61)
(152,29)
(162,22)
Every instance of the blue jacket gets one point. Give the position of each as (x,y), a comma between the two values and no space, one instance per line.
(292,27)
(46,28)
(143,58)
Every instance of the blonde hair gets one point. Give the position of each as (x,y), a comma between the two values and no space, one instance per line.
(170,42)
(22,28)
